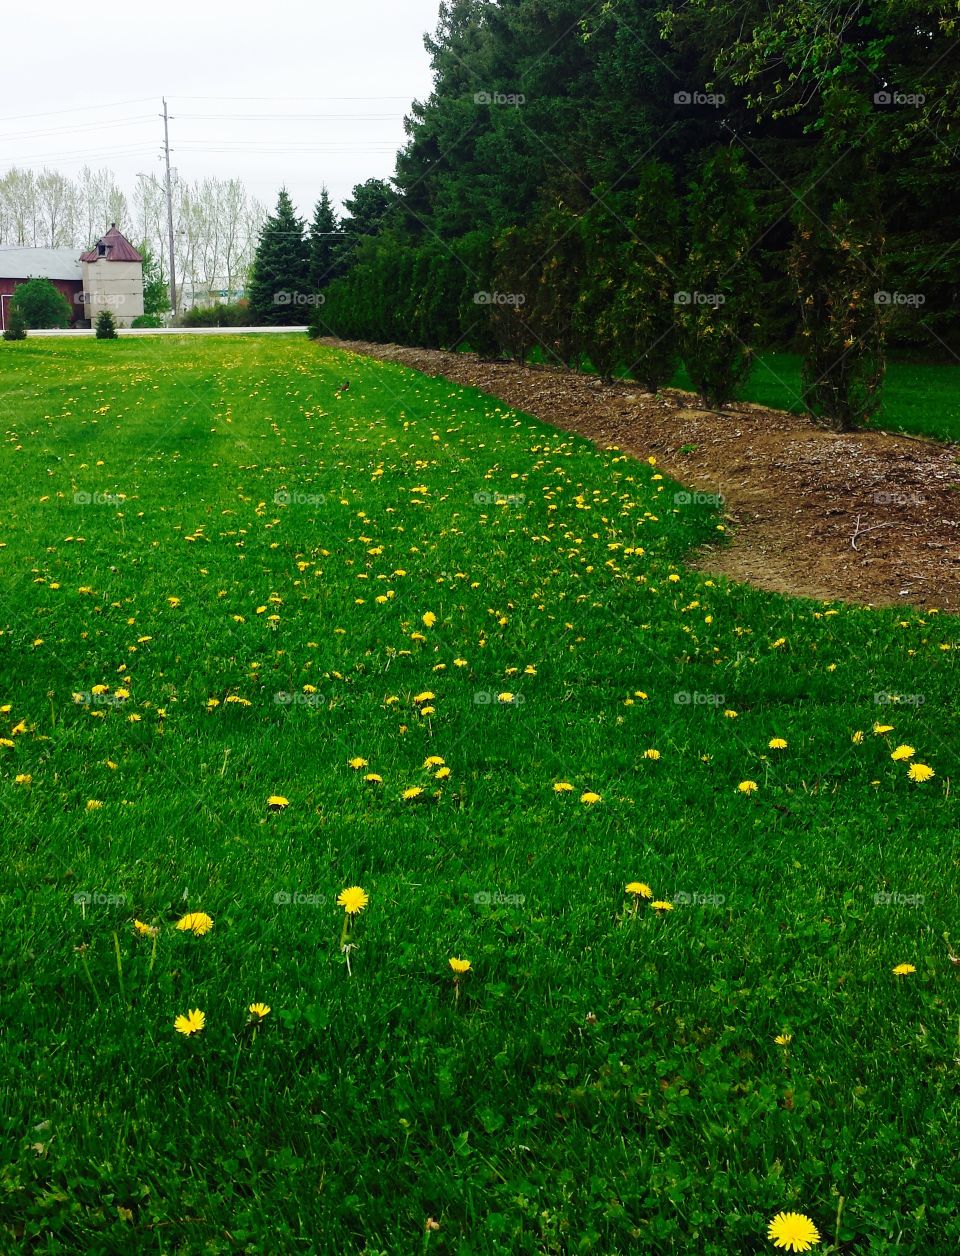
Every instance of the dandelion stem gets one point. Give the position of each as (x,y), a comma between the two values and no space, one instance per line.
(153,956)
(116,948)
(836,1235)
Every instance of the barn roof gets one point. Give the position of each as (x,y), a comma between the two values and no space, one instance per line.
(20,263)
(118,248)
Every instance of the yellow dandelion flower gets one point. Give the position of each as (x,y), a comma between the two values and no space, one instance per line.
(433,761)
(460,965)
(94,804)
(920,772)
(353,899)
(441,774)
(426,711)
(730,715)
(414,791)
(904,970)
(748,787)
(651,754)
(373,778)
(196,922)
(777,743)
(505,698)
(358,763)
(661,904)
(590,798)
(793,1232)
(783,1040)
(562,787)
(901,753)
(429,619)
(426,696)
(259,1011)
(23,778)
(277,802)
(882,728)
(192,1023)
(857,737)
(145,931)
(639,888)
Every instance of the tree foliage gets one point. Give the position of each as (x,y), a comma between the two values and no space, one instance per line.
(40,304)
(280,280)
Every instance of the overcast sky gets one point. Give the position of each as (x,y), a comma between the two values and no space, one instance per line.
(301,92)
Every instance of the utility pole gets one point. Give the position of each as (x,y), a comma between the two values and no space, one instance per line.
(173,272)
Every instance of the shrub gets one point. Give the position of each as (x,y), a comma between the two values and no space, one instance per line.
(835,261)
(219,314)
(557,257)
(16,328)
(595,325)
(41,304)
(515,273)
(106,326)
(147,320)
(716,306)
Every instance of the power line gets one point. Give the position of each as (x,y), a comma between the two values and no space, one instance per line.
(50,113)
(69,130)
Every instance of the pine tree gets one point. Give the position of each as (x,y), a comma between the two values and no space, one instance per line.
(280,282)
(106,326)
(325,243)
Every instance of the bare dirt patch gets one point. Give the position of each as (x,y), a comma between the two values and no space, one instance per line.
(865,517)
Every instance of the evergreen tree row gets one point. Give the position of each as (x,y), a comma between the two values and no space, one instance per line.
(633,285)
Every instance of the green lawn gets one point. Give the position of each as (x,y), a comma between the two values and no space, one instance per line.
(190,522)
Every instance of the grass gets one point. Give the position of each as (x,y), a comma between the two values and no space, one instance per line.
(190,521)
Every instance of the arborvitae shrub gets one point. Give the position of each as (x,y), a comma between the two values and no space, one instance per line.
(716,305)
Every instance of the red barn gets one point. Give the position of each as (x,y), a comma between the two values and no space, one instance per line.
(62,267)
